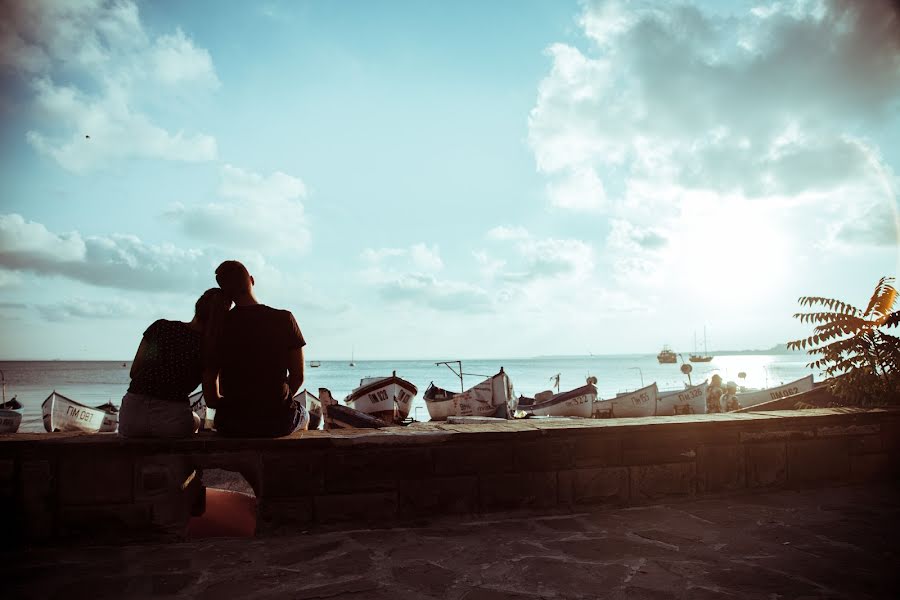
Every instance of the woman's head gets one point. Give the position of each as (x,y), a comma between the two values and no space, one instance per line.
(211,306)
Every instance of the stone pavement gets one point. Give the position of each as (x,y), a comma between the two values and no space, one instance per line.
(825,543)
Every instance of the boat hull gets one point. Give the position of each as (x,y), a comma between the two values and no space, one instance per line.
(206,414)
(10,420)
(387,398)
(312,405)
(689,401)
(799,386)
(639,403)
(493,397)
(64,414)
(574,403)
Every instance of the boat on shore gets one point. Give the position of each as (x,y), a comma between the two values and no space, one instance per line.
(666,356)
(493,397)
(206,414)
(10,415)
(386,398)
(689,401)
(639,403)
(748,399)
(312,405)
(336,416)
(573,403)
(64,414)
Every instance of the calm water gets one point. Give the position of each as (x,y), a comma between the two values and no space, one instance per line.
(95,383)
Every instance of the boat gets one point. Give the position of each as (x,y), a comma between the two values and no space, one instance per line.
(206,414)
(639,403)
(10,415)
(493,397)
(573,403)
(387,398)
(312,405)
(352,364)
(689,401)
(337,416)
(64,414)
(804,384)
(315,364)
(700,358)
(666,356)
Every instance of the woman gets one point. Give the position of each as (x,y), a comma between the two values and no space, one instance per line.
(167,367)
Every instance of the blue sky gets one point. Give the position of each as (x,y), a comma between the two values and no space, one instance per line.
(423,179)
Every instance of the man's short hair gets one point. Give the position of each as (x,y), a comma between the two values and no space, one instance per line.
(233,277)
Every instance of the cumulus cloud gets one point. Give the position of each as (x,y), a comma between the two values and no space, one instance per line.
(258,212)
(115,261)
(668,101)
(92,68)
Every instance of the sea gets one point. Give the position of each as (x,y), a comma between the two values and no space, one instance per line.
(97,382)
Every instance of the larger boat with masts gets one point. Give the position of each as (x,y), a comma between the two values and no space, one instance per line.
(701,358)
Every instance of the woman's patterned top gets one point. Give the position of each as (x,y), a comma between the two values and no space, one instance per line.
(171,367)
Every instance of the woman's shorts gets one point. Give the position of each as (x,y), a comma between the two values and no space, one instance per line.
(146,416)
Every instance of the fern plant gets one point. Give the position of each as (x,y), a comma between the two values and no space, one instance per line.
(852,345)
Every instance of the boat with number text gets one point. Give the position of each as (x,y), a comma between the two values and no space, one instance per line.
(798,386)
(10,415)
(64,414)
(493,397)
(387,398)
(689,401)
(573,403)
(336,416)
(639,403)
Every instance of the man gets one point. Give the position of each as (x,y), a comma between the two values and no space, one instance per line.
(258,367)
(714,395)
(729,400)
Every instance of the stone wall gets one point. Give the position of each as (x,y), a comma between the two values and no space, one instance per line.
(90,486)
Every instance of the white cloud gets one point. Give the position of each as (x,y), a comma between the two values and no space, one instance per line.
(504,232)
(120,70)
(260,212)
(80,308)
(580,190)
(425,258)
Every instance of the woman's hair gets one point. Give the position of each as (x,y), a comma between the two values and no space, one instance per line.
(210,311)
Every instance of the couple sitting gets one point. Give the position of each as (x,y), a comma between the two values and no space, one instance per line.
(249,360)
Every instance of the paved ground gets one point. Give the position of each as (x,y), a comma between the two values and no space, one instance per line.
(834,543)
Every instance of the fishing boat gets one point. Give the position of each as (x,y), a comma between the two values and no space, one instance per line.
(799,386)
(493,397)
(689,401)
(387,398)
(573,403)
(309,401)
(10,415)
(666,356)
(315,364)
(337,416)
(64,414)
(700,358)
(639,403)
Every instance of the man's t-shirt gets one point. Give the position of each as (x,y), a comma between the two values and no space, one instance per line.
(253,358)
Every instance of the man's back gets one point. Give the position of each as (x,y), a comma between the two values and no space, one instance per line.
(254,349)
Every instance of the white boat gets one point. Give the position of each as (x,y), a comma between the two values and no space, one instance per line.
(10,416)
(64,414)
(799,386)
(387,398)
(689,401)
(639,403)
(573,403)
(206,414)
(493,397)
(336,416)
(312,405)
(315,364)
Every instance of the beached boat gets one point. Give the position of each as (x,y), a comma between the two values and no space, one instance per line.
(573,403)
(493,397)
(10,416)
(206,414)
(799,386)
(689,401)
(337,416)
(387,398)
(666,356)
(64,414)
(639,403)
(312,405)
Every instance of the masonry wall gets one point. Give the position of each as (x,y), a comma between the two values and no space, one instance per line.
(91,486)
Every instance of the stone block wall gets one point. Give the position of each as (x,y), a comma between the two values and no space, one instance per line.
(88,486)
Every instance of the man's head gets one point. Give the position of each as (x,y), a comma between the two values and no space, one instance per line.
(234,279)
(716,379)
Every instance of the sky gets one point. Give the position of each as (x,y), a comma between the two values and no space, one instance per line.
(446,180)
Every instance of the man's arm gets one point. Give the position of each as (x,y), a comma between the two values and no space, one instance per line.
(295,370)
(211,386)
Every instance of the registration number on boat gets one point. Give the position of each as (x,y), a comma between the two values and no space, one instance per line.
(78,414)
